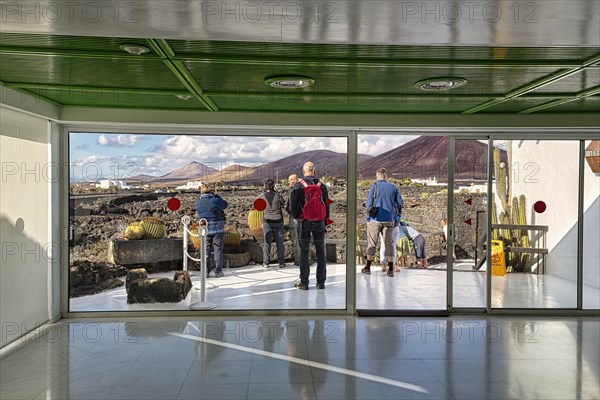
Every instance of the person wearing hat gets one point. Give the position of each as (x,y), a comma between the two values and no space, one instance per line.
(272,223)
(211,206)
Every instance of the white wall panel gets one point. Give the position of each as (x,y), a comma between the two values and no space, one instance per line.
(24,223)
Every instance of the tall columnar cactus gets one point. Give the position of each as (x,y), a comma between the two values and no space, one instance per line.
(503,181)
(495,233)
(154,228)
(523,233)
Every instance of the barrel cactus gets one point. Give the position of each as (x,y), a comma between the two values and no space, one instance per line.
(255,218)
(195,238)
(134,231)
(154,228)
(232,237)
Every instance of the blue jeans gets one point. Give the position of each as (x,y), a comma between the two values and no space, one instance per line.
(218,241)
(273,231)
(317,230)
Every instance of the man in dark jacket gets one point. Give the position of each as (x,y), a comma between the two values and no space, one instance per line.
(307,228)
(211,206)
(272,223)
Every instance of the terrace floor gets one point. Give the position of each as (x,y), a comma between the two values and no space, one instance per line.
(256,288)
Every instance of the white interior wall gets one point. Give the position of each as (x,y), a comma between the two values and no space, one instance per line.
(24,223)
(549,171)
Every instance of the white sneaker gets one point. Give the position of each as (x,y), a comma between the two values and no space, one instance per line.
(265,265)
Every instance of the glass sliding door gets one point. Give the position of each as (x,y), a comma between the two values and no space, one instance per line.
(469,224)
(591,225)
(535,224)
(129,193)
(417,165)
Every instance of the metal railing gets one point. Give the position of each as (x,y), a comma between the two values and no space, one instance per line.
(203,304)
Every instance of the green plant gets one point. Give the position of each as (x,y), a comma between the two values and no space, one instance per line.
(154,228)
(513,213)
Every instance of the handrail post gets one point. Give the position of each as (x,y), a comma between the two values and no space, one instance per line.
(203,304)
(185,220)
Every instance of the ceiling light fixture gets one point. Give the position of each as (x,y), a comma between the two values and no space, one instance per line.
(440,84)
(134,49)
(184,96)
(290,82)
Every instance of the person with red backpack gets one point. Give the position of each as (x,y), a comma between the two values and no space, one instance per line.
(308,206)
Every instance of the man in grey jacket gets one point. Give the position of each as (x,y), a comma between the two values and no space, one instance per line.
(272,223)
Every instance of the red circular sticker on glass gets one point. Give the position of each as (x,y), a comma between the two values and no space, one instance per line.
(173,204)
(539,207)
(260,204)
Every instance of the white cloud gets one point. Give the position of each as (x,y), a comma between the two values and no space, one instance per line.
(121,140)
(224,151)
(218,152)
(376,144)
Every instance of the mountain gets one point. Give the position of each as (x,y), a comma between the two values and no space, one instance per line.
(327,163)
(427,156)
(142,177)
(233,173)
(191,171)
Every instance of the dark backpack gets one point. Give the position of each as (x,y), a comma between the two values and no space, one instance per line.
(314,209)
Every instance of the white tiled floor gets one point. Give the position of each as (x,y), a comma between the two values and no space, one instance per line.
(309,358)
(257,288)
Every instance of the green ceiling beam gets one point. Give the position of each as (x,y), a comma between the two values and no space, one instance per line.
(375,62)
(342,96)
(162,48)
(537,84)
(89,54)
(583,94)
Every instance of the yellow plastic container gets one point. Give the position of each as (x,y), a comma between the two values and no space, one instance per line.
(498,260)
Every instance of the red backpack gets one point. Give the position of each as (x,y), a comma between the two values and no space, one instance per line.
(314,209)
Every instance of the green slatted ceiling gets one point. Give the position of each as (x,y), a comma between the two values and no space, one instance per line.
(249,49)
(83,43)
(233,74)
(589,104)
(588,78)
(123,73)
(249,78)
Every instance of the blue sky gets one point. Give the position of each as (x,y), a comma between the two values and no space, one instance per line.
(123,155)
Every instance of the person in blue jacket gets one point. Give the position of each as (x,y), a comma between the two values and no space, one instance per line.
(211,206)
(383,205)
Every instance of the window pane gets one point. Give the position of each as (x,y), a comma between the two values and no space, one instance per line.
(129,192)
(536,184)
(591,226)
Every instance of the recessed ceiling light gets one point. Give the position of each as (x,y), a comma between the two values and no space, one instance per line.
(134,49)
(439,84)
(290,82)
(184,96)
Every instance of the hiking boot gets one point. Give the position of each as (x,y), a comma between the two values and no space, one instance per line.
(281,265)
(390,273)
(366,271)
(219,274)
(301,286)
(320,285)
